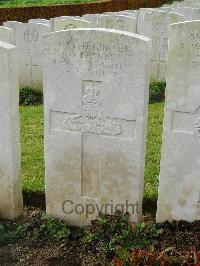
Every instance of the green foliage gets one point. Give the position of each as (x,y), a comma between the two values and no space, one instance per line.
(108,233)
(157,92)
(21,3)
(5,236)
(152,257)
(38,230)
(27,96)
(50,229)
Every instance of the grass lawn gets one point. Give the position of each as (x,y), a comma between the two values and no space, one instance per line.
(20,3)
(32,148)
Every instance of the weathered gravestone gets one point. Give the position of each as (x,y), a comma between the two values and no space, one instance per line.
(166,8)
(40,21)
(134,12)
(155,25)
(177,3)
(10,185)
(96,94)
(179,188)
(30,53)
(6,35)
(190,3)
(118,22)
(128,14)
(67,18)
(189,12)
(12,25)
(93,18)
(69,23)
(125,13)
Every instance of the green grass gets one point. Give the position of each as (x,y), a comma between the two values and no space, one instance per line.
(32,149)
(32,142)
(153,149)
(21,3)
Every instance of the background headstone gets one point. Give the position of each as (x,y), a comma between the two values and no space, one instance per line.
(155,25)
(69,23)
(10,163)
(179,186)
(6,35)
(40,21)
(96,100)
(12,25)
(30,53)
(93,18)
(118,22)
(185,11)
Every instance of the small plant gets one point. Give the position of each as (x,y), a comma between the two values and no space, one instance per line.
(108,233)
(157,91)
(5,237)
(151,257)
(39,230)
(50,228)
(27,96)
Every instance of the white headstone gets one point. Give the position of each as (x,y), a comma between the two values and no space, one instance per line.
(12,25)
(179,186)
(166,9)
(93,18)
(10,184)
(118,22)
(128,14)
(30,53)
(96,96)
(185,11)
(6,35)
(125,13)
(166,5)
(135,12)
(69,23)
(40,21)
(155,25)
(189,12)
(190,3)
(177,3)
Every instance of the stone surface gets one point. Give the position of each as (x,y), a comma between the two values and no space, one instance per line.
(10,184)
(96,98)
(134,12)
(93,18)
(6,35)
(155,25)
(179,186)
(166,9)
(69,23)
(118,22)
(40,21)
(128,14)
(30,53)
(125,13)
(188,12)
(12,25)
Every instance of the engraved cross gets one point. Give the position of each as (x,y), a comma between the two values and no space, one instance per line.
(31,66)
(92,122)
